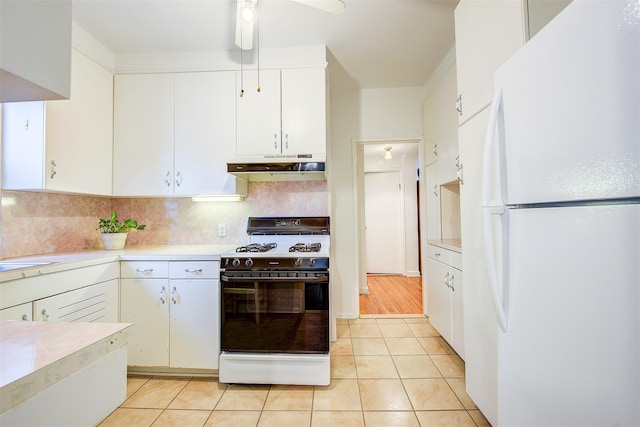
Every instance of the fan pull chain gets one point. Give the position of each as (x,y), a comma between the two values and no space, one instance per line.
(241,66)
(258,42)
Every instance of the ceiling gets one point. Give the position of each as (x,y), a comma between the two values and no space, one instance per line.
(378,43)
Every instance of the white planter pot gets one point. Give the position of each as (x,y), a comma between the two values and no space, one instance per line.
(113,241)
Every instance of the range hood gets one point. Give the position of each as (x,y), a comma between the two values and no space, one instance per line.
(278,171)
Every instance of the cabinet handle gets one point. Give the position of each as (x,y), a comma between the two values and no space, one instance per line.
(286,141)
(275,141)
(163,295)
(193,270)
(25,317)
(178,179)
(446,280)
(174,296)
(167,179)
(438,254)
(435,149)
(459,171)
(144,270)
(26,124)
(435,190)
(459,104)
(451,283)
(45,315)
(53,168)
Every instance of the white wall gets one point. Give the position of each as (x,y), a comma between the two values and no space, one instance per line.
(393,113)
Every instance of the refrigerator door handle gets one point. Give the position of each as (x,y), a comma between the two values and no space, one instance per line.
(490,209)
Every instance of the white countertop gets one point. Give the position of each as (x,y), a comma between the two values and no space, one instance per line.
(36,355)
(66,261)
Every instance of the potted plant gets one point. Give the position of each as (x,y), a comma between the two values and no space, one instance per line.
(114,232)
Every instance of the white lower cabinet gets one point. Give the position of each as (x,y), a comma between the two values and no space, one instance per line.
(174,306)
(95,303)
(17,312)
(444,286)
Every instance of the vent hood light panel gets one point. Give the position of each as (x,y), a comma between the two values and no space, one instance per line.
(279,171)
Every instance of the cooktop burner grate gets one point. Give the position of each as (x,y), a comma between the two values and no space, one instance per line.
(305,247)
(257,247)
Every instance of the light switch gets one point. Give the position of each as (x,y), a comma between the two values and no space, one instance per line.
(222,229)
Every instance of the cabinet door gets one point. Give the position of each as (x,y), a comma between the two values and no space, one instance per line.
(205,131)
(304,126)
(145,303)
(18,312)
(439,297)
(79,132)
(457,313)
(434,227)
(488,32)
(95,303)
(258,126)
(447,127)
(195,324)
(143,135)
(23,145)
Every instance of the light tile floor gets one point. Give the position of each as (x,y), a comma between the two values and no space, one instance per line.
(386,372)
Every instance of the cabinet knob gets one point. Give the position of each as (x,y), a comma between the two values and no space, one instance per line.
(25,317)
(45,315)
(53,168)
(459,105)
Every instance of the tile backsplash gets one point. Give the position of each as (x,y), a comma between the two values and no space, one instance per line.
(38,223)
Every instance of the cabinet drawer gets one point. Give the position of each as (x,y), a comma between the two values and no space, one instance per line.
(145,269)
(456,260)
(194,269)
(438,253)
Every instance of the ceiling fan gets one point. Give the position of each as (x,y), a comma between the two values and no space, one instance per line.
(245,17)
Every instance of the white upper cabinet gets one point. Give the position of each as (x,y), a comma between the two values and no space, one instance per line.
(205,133)
(35,51)
(63,145)
(488,32)
(143,135)
(286,119)
(441,126)
(173,134)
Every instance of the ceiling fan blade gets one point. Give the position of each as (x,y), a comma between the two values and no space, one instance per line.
(244,30)
(331,6)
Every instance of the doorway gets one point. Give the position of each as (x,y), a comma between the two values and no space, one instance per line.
(388,218)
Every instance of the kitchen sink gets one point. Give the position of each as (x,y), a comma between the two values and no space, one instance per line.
(6,266)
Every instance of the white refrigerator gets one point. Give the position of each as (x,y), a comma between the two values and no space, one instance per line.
(552,323)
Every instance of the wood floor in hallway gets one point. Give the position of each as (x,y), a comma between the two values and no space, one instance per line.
(392,294)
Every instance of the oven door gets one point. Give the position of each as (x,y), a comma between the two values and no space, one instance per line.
(275,312)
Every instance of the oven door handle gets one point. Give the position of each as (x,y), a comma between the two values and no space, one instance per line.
(320,279)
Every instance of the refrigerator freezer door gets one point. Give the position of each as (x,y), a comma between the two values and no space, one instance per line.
(570,355)
(571,107)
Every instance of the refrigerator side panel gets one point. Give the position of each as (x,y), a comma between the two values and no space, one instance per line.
(571,107)
(480,325)
(570,355)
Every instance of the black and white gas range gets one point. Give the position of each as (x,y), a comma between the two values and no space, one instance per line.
(275,304)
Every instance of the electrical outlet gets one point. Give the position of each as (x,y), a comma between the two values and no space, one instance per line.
(222,229)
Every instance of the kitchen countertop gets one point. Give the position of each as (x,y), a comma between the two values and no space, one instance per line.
(36,355)
(451,244)
(70,260)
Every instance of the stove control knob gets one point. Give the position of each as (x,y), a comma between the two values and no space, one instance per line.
(249,262)
(298,262)
(312,262)
(235,262)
